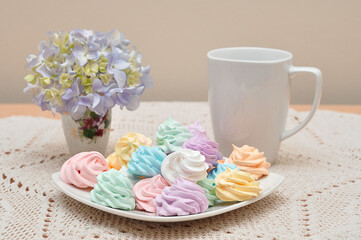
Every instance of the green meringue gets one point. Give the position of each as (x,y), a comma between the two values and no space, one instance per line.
(113,190)
(171,135)
(210,190)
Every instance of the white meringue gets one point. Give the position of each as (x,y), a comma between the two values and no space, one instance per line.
(185,163)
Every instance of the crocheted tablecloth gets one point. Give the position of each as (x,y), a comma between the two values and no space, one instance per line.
(320,198)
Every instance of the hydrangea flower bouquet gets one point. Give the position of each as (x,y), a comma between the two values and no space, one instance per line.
(83,75)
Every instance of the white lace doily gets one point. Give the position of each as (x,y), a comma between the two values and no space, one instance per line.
(320,198)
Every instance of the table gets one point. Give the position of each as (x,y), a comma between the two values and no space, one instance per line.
(7,110)
(319,199)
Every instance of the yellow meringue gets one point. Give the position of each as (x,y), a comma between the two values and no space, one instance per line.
(125,147)
(235,185)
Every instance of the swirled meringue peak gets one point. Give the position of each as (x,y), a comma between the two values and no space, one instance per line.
(221,167)
(146,161)
(184,163)
(249,159)
(146,190)
(125,147)
(83,168)
(182,198)
(171,135)
(113,190)
(196,129)
(209,188)
(206,147)
(235,185)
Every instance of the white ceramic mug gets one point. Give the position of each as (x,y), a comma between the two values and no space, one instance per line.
(249,97)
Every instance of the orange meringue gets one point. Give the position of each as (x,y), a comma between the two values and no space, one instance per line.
(249,159)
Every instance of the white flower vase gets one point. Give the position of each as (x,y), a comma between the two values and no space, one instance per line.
(90,133)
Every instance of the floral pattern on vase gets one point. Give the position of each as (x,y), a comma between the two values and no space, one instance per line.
(90,133)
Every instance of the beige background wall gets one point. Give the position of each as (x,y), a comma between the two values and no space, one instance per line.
(175,35)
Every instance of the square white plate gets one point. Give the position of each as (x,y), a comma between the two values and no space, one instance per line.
(268,185)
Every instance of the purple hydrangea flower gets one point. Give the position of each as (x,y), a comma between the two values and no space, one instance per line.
(82,70)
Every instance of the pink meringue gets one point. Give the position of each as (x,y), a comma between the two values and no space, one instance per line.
(83,168)
(147,190)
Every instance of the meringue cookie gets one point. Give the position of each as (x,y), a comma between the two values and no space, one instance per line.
(181,198)
(113,190)
(221,167)
(235,185)
(206,147)
(184,163)
(146,161)
(146,190)
(83,168)
(249,159)
(209,188)
(125,147)
(114,161)
(171,135)
(196,129)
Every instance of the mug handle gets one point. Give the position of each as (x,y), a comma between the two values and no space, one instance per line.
(316,101)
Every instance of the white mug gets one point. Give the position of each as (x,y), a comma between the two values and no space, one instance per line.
(249,97)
